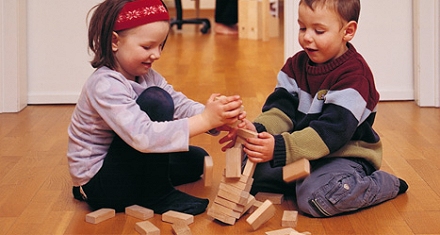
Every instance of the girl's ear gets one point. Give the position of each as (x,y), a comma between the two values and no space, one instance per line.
(115,40)
(350,30)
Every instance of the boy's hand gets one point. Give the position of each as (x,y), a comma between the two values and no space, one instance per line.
(232,135)
(260,149)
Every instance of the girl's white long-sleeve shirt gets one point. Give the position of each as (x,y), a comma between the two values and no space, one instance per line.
(107,106)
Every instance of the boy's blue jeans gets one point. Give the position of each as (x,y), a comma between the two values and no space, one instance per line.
(334,186)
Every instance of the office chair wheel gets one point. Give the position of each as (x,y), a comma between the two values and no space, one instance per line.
(204,29)
(206,26)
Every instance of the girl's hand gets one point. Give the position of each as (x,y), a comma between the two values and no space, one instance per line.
(260,149)
(230,138)
(221,111)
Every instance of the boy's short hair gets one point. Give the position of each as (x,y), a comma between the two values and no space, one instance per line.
(349,10)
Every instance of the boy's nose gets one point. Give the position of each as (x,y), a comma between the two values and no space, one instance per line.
(307,37)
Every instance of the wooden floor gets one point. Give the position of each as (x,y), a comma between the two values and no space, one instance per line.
(35,186)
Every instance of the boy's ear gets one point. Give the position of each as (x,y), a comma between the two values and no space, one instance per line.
(350,30)
(115,40)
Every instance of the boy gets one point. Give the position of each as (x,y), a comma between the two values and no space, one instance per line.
(323,109)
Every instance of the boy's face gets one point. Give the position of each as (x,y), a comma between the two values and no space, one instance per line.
(321,33)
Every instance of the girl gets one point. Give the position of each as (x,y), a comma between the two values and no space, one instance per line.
(129,133)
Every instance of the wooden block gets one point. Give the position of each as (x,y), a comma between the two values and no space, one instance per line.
(221,217)
(100,215)
(296,170)
(224,210)
(233,194)
(283,231)
(139,212)
(249,168)
(233,162)
(243,179)
(250,202)
(208,170)
(244,183)
(290,219)
(275,198)
(146,228)
(175,217)
(244,133)
(181,229)
(231,205)
(294,232)
(255,206)
(261,215)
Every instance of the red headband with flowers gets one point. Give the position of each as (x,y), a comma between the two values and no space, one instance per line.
(140,12)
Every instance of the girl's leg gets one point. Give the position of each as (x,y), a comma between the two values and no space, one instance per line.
(187,167)
(130,177)
(338,185)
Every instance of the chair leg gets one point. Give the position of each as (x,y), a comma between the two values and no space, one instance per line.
(179,21)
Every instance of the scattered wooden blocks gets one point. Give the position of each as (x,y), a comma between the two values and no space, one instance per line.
(260,216)
(139,212)
(181,229)
(100,215)
(176,217)
(208,171)
(275,198)
(296,170)
(290,219)
(146,228)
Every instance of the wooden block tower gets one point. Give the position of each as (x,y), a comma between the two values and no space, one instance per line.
(233,198)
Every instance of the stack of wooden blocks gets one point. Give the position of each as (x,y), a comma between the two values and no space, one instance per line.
(258,19)
(233,198)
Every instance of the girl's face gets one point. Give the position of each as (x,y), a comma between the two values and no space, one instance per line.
(137,48)
(320,33)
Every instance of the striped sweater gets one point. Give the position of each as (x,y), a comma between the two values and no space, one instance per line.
(323,111)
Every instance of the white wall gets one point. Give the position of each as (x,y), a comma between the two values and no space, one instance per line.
(57,58)
(13,55)
(384,38)
(57,46)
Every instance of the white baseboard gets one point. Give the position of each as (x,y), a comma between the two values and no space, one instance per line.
(53,98)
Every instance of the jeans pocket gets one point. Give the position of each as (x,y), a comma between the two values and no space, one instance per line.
(340,193)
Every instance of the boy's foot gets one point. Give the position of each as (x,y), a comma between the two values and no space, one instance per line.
(402,187)
(179,201)
(226,29)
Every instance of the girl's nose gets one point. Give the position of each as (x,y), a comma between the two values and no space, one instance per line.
(156,54)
